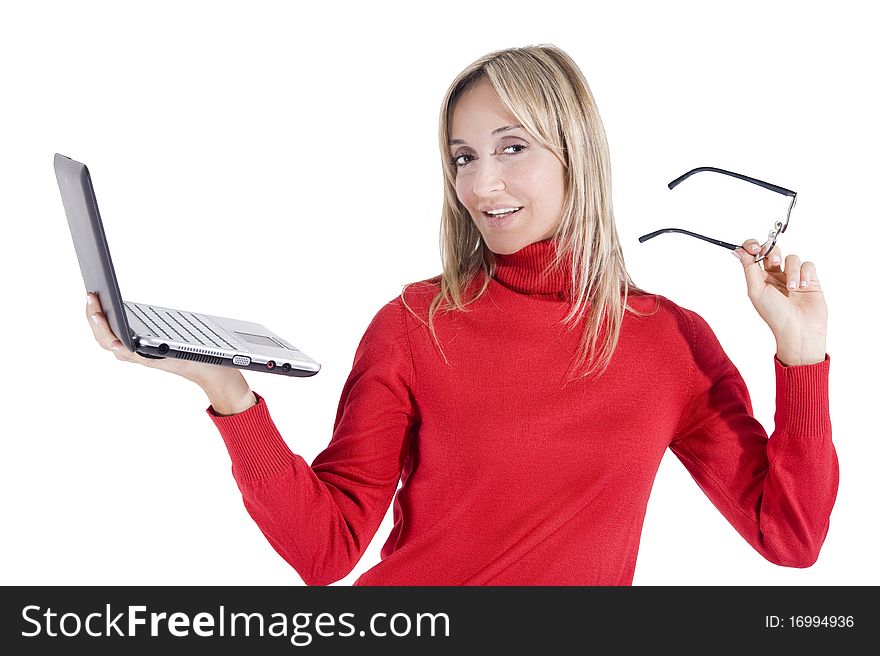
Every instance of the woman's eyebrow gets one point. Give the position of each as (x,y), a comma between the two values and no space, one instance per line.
(453,142)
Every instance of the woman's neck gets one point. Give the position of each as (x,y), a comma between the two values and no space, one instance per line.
(530,270)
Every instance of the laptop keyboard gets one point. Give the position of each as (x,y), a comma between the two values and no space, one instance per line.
(177,326)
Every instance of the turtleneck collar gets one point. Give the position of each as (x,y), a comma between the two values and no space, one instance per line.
(524,271)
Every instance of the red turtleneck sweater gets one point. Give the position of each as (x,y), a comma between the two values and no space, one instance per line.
(510,477)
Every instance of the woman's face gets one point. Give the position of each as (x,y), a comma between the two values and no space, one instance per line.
(501,166)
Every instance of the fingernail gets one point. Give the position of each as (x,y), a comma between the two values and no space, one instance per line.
(735,254)
(95,319)
(753,247)
(88,299)
(792,284)
(114,348)
(804,283)
(776,259)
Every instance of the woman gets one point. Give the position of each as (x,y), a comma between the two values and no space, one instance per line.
(526,396)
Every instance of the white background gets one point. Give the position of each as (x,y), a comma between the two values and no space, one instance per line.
(279,162)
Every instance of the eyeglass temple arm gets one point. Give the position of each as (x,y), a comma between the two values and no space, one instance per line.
(740,176)
(717,242)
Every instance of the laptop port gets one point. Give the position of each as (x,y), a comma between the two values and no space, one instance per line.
(270,364)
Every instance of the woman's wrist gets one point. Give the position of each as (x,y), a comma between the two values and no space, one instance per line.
(801,350)
(799,358)
(229,395)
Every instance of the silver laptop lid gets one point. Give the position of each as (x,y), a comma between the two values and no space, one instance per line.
(90,243)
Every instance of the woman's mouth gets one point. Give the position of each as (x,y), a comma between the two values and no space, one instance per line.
(500,219)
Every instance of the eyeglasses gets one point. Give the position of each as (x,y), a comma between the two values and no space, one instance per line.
(778,226)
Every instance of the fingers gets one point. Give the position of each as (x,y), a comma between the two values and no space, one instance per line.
(751,246)
(800,275)
(773,261)
(754,274)
(101,330)
(809,279)
(792,272)
(797,275)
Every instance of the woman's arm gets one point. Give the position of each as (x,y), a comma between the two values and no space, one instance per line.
(321,518)
(778,492)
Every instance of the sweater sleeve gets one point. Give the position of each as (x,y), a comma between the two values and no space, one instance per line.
(321,518)
(777,492)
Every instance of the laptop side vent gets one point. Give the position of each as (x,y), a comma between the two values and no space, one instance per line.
(207,359)
(193,349)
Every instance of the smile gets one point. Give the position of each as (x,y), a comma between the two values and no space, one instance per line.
(500,220)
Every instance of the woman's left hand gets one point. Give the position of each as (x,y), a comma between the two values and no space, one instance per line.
(790,300)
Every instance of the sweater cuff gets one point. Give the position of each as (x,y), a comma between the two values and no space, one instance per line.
(802,398)
(255,446)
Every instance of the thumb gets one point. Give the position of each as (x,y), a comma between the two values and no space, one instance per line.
(753,271)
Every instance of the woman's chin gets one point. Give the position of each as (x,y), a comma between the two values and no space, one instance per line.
(506,245)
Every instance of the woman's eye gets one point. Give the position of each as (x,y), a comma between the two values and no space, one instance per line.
(461,160)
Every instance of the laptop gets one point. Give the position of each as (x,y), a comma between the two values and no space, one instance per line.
(160,332)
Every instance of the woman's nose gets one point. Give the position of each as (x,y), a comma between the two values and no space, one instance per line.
(487,177)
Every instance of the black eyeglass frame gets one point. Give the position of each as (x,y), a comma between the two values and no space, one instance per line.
(778,226)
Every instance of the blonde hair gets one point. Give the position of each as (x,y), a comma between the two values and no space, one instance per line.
(547,93)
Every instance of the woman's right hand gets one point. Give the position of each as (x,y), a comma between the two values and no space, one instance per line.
(226,388)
